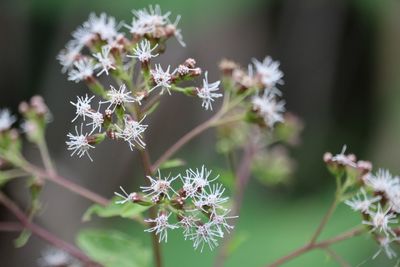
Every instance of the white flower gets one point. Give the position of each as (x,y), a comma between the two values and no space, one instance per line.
(213,198)
(125,197)
(394,198)
(143,51)
(97,120)
(382,181)
(84,69)
(119,97)
(161,226)
(384,243)
(196,180)
(6,119)
(188,223)
(206,93)
(361,202)
(79,143)
(269,108)
(161,78)
(52,257)
(344,159)
(269,72)
(153,23)
(104,25)
(202,235)
(159,186)
(83,107)
(220,222)
(83,36)
(105,59)
(68,56)
(380,221)
(132,132)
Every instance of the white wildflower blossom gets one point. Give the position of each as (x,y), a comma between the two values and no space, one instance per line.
(393,196)
(162,78)
(105,26)
(220,222)
(196,180)
(143,51)
(361,202)
(83,36)
(97,120)
(344,159)
(380,221)
(125,196)
(161,226)
(204,235)
(84,69)
(206,93)
(105,59)
(79,143)
(132,132)
(269,108)
(83,107)
(6,119)
(269,72)
(68,56)
(382,181)
(159,186)
(188,223)
(153,23)
(213,197)
(52,257)
(384,243)
(119,97)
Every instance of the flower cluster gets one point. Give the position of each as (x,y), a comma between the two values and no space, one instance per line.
(199,206)
(52,257)
(377,199)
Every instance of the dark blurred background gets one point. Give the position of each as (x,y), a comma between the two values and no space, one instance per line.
(341,63)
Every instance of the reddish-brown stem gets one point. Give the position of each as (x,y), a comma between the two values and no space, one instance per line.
(185,139)
(10,227)
(242,177)
(71,186)
(44,234)
(317,245)
(144,155)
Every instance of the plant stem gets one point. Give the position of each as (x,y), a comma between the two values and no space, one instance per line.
(44,152)
(44,234)
(242,177)
(317,245)
(71,186)
(10,227)
(144,154)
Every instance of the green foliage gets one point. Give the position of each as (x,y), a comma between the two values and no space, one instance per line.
(127,210)
(172,163)
(113,249)
(22,239)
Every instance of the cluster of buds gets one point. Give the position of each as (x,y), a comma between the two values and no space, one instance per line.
(260,80)
(377,198)
(198,205)
(113,54)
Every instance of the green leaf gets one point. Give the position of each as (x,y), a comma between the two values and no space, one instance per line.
(173,163)
(22,239)
(113,249)
(127,210)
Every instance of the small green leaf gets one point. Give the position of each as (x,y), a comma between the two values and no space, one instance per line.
(173,163)
(22,239)
(113,249)
(127,210)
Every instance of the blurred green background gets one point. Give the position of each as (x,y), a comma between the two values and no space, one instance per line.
(341,62)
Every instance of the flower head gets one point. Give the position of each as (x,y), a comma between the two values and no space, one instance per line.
(361,202)
(79,143)
(97,120)
(105,59)
(83,107)
(269,108)
(161,226)
(206,93)
(380,221)
(204,235)
(55,257)
(159,186)
(132,132)
(6,119)
(269,72)
(125,197)
(143,51)
(196,180)
(84,68)
(162,78)
(69,55)
(382,181)
(105,26)
(384,243)
(119,97)
(343,159)
(212,198)
(220,222)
